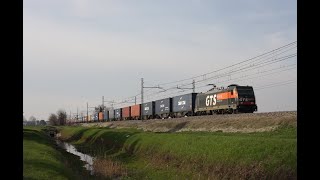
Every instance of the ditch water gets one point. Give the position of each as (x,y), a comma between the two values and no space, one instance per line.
(84,157)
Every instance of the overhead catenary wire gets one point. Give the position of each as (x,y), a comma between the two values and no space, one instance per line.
(272,52)
(230,73)
(275,84)
(226,74)
(247,65)
(291,68)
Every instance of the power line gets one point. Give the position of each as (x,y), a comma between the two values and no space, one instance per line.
(260,73)
(238,71)
(255,59)
(272,51)
(248,67)
(276,84)
(246,78)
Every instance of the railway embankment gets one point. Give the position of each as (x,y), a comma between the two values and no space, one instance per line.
(251,122)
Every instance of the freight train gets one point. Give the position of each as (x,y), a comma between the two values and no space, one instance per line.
(233,99)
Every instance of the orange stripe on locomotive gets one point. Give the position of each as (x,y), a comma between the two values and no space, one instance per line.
(227,95)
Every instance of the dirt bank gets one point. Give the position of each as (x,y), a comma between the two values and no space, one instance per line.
(253,122)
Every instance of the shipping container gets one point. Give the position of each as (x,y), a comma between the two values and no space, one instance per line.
(163,108)
(135,111)
(100,116)
(148,110)
(111,114)
(126,113)
(95,117)
(106,115)
(183,105)
(118,114)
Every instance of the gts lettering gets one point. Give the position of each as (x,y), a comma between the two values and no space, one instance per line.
(211,100)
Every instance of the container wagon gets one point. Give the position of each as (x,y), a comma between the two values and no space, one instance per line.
(163,108)
(148,110)
(118,114)
(183,105)
(100,116)
(111,115)
(135,111)
(126,113)
(95,117)
(106,115)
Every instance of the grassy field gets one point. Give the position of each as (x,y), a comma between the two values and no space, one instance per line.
(42,160)
(136,154)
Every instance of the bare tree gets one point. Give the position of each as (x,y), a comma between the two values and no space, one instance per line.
(62,117)
(53,119)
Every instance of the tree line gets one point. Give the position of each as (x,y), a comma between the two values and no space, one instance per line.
(33,122)
(58,119)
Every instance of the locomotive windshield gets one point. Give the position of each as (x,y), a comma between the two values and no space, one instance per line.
(245,91)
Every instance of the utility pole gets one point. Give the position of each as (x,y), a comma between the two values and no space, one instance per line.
(77,115)
(141,91)
(135,100)
(194,86)
(102,103)
(88,111)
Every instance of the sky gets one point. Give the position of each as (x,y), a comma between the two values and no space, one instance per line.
(76,51)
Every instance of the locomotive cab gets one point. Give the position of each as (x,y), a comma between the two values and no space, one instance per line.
(246,99)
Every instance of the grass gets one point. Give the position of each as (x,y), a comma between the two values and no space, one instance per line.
(43,160)
(200,155)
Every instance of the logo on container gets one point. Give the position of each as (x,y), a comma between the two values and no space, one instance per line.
(181,103)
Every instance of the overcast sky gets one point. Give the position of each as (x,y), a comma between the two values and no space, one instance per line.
(76,51)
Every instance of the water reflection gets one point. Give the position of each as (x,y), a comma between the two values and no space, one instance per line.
(84,157)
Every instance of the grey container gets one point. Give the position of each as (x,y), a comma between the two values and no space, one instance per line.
(163,106)
(111,114)
(106,115)
(148,109)
(184,103)
(118,113)
(95,117)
